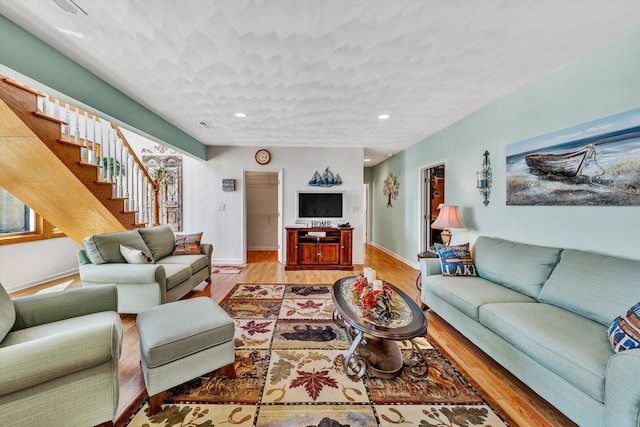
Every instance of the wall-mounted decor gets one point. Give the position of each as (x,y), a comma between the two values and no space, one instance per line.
(593,164)
(327,179)
(484,179)
(228,185)
(390,189)
(166,168)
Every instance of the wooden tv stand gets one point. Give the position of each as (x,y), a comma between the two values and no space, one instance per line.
(319,248)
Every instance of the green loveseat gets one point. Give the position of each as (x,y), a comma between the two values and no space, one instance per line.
(163,278)
(59,358)
(543,313)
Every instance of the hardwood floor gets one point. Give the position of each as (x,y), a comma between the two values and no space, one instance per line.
(510,397)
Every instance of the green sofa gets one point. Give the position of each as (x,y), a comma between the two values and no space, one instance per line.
(543,313)
(165,278)
(59,358)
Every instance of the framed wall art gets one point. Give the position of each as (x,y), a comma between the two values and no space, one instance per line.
(593,164)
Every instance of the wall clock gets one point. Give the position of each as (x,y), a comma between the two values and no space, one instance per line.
(263,156)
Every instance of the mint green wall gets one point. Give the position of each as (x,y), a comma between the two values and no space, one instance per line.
(28,55)
(600,83)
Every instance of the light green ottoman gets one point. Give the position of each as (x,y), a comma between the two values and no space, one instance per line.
(182,340)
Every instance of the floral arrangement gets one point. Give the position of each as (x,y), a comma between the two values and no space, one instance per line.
(377,303)
(162,175)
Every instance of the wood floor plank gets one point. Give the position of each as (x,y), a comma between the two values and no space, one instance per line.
(509,396)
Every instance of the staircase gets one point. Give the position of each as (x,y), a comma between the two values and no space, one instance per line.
(73,168)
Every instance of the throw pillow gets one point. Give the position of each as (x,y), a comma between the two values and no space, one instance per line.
(624,332)
(187,244)
(456,260)
(135,256)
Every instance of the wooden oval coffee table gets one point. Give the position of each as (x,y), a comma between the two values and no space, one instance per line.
(374,348)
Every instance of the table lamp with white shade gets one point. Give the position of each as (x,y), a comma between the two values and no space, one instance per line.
(449,217)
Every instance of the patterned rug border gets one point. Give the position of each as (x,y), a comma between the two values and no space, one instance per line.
(130,412)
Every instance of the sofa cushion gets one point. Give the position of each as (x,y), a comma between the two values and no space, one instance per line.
(135,256)
(176,274)
(196,262)
(595,286)
(570,345)
(521,267)
(624,332)
(7,313)
(160,240)
(468,294)
(103,248)
(456,260)
(187,244)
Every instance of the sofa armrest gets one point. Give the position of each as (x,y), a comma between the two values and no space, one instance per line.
(622,394)
(130,274)
(46,308)
(428,267)
(35,362)
(206,249)
(123,273)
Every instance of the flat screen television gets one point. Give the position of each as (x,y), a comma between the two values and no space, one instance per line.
(320,205)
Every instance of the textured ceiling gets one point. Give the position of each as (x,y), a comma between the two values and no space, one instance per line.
(313,72)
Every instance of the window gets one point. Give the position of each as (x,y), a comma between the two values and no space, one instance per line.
(19,223)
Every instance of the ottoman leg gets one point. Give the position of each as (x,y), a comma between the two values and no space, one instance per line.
(155,402)
(229,370)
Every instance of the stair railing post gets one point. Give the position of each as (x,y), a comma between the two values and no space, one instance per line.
(156,202)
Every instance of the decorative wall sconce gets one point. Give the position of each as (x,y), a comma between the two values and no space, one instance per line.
(483,179)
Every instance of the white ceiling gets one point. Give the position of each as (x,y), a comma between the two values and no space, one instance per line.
(314,72)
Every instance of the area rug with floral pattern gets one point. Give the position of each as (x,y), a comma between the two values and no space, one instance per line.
(289,371)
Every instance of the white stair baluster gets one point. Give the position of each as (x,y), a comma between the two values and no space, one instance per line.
(127,176)
(85,143)
(120,167)
(94,142)
(67,119)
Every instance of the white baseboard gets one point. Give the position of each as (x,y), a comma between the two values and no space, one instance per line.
(412,264)
(32,283)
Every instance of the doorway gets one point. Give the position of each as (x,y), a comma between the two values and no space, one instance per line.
(263,198)
(432,179)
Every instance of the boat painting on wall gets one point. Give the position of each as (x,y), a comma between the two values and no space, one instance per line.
(593,164)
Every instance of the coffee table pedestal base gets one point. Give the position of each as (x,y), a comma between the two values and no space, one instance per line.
(379,357)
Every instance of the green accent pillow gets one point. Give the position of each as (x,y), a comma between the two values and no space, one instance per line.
(456,260)
(187,244)
(135,256)
(160,240)
(7,313)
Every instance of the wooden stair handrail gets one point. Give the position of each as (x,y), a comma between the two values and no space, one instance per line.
(154,183)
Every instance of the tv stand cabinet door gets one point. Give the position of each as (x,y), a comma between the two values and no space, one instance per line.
(329,253)
(309,253)
(346,244)
(292,247)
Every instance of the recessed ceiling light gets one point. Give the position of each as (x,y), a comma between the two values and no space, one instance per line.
(241,115)
(367,160)
(383,116)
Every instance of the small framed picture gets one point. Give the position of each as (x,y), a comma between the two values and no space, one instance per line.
(228,185)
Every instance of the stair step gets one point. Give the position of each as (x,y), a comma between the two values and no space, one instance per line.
(91,165)
(23,87)
(104,182)
(51,119)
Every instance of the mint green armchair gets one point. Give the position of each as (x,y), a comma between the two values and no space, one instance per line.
(59,357)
